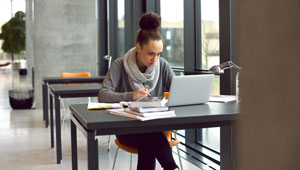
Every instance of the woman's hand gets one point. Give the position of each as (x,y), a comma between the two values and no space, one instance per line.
(141,93)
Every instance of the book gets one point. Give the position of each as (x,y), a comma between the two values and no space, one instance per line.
(149,109)
(122,113)
(150,114)
(149,102)
(222,98)
(95,106)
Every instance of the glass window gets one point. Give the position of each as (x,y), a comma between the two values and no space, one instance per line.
(210,38)
(121,28)
(210,33)
(210,56)
(172,31)
(18,5)
(8,8)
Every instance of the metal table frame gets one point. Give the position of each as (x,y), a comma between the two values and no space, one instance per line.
(58,91)
(91,124)
(46,81)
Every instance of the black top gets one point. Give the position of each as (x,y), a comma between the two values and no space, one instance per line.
(83,90)
(60,80)
(187,117)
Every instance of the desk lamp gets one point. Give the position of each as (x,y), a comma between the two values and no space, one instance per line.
(108,58)
(219,69)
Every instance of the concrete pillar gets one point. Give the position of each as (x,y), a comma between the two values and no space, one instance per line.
(29,38)
(64,38)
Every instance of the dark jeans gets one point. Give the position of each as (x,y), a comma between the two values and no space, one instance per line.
(150,146)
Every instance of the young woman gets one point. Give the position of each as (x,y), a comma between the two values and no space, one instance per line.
(139,73)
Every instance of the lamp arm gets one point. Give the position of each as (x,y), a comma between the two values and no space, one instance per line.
(219,69)
(229,64)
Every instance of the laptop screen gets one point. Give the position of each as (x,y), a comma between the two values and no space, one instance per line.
(190,89)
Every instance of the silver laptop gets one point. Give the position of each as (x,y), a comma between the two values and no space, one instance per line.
(191,89)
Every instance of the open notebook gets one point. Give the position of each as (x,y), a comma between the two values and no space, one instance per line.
(95,106)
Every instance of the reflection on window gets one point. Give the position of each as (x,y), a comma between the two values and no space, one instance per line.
(172,31)
(121,28)
(210,56)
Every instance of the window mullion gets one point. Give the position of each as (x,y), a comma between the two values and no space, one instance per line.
(189,35)
(102,36)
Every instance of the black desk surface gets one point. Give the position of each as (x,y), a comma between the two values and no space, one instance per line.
(62,89)
(187,117)
(60,80)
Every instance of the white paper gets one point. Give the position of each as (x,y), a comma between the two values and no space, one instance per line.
(222,98)
(92,105)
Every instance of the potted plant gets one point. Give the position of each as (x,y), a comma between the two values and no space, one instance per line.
(13,36)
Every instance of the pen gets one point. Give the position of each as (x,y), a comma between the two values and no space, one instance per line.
(138,87)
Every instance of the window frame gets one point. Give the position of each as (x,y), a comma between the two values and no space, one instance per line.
(102,36)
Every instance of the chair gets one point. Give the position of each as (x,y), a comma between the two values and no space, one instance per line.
(82,74)
(134,150)
(70,75)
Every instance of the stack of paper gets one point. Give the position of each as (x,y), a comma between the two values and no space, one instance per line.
(149,109)
(149,102)
(142,116)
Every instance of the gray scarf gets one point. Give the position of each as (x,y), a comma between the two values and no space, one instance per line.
(137,79)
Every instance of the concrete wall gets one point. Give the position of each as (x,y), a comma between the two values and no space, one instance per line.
(62,37)
(268,36)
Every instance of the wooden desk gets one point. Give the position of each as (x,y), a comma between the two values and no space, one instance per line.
(59,80)
(58,91)
(96,122)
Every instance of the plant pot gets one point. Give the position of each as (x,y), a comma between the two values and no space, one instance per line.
(23,72)
(21,98)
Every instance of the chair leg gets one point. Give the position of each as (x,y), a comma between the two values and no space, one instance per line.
(115,158)
(179,157)
(64,113)
(108,149)
(131,161)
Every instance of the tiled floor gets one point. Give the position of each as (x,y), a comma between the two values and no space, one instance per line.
(25,142)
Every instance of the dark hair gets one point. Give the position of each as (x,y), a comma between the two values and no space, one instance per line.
(149,28)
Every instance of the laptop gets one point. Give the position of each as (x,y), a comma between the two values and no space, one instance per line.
(190,89)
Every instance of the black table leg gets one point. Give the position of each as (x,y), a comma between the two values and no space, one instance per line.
(92,149)
(58,129)
(74,146)
(51,121)
(226,148)
(43,95)
(45,104)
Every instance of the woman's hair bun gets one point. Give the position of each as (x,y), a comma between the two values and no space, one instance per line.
(150,21)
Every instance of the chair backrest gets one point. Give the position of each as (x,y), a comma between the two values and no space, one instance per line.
(169,138)
(133,149)
(70,75)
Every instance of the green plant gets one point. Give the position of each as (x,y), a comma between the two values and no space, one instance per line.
(13,34)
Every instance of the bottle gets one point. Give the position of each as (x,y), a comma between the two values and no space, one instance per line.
(237,92)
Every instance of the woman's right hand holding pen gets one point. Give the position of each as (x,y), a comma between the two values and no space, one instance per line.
(140,93)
